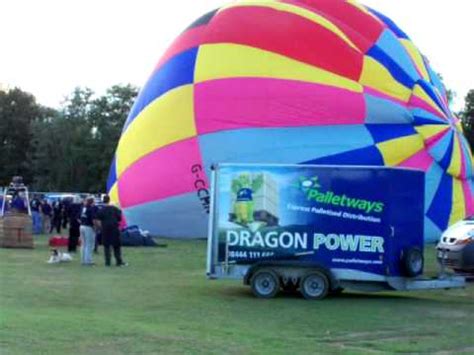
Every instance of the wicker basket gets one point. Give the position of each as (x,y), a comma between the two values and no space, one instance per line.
(16,231)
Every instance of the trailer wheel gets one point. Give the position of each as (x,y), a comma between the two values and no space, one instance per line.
(265,283)
(314,285)
(412,262)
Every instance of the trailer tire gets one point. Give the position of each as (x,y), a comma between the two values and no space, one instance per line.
(314,285)
(265,283)
(412,262)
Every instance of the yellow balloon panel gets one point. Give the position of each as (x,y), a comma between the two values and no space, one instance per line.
(171,114)
(458,210)
(421,94)
(455,166)
(376,76)
(428,131)
(416,57)
(217,61)
(113,193)
(397,150)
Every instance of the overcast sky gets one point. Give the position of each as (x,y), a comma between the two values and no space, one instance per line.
(48,47)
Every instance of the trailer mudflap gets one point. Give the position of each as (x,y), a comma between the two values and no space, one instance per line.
(442,281)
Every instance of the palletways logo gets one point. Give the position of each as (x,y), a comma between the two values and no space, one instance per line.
(314,192)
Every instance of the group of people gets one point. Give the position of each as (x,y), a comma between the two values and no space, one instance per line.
(99,225)
(49,217)
(46,217)
(93,224)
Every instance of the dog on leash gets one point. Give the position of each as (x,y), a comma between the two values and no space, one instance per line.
(59,257)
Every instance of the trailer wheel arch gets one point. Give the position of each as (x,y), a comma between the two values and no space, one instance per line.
(281,265)
(279,269)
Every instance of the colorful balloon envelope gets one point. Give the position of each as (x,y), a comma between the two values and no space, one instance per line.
(308,81)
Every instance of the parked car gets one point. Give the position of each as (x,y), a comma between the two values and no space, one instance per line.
(456,246)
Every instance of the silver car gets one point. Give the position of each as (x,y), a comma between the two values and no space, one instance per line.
(456,246)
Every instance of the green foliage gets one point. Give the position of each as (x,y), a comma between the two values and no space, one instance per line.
(450,94)
(18,111)
(467,117)
(69,149)
(62,146)
(107,117)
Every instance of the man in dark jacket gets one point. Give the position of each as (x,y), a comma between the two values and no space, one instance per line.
(74,215)
(109,217)
(46,211)
(66,203)
(57,213)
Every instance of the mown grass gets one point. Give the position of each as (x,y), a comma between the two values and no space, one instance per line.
(162,303)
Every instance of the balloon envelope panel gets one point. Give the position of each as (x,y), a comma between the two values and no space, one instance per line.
(308,81)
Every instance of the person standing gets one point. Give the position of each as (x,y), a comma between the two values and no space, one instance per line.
(64,212)
(56,221)
(87,231)
(74,216)
(46,211)
(18,203)
(109,217)
(35,205)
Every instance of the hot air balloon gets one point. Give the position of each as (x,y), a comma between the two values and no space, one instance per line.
(292,81)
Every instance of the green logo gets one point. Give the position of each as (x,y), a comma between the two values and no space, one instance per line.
(243,187)
(312,188)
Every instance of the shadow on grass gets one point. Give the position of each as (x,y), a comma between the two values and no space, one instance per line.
(245,292)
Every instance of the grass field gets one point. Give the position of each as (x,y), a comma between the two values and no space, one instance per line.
(162,303)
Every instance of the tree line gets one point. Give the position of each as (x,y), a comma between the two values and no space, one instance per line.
(65,149)
(467,117)
(71,148)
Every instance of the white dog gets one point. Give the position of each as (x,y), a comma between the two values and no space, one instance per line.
(59,257)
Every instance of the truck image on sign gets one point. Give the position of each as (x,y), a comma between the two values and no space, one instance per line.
(318,229)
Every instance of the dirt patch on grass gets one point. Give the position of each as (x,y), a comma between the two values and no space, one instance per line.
(370,342)
(450,314)
(468,350)
(378,335)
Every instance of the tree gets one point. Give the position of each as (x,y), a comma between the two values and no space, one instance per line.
(467,117)
(75,146)
(61,144)
(108,114)
(18,110)
(450,95)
